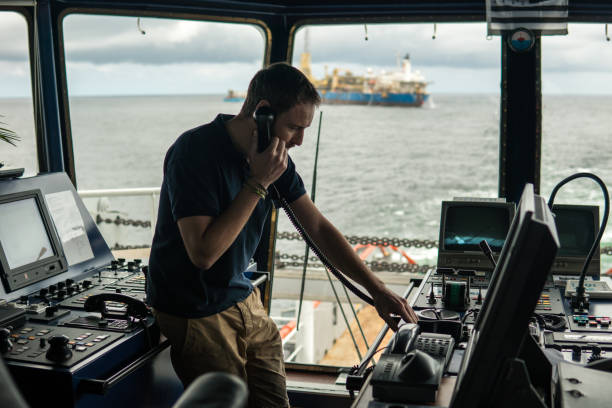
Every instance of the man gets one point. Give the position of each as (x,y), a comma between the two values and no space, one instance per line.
(213,205)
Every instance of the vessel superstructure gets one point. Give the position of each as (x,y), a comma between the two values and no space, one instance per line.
(404,87)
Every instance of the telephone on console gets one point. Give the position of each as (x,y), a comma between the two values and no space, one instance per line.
(121,313)
(134,307)
(412,368)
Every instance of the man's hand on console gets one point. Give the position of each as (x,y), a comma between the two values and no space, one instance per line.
(388,304)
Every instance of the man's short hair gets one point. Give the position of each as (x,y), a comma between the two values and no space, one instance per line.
(283,86)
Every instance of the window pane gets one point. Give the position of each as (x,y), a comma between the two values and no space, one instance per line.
(16,107)
(134,88)
(576,103)
(384,170)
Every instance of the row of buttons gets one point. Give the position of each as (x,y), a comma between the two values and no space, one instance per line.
(137,281)
(24,337)
(79,345)
(592,321)
(543,302)
(433,346)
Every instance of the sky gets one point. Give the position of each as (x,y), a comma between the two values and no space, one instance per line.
(108,55)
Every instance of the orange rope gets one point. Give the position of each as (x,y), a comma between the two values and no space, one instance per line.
(369,248)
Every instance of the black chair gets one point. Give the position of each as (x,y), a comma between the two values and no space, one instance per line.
(9,393)
(212,390)
(215,390)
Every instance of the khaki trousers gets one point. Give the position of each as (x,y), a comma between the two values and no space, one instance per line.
(241,340)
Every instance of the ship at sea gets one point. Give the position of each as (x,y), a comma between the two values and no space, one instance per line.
(404,87)
(234,96)
(399,88)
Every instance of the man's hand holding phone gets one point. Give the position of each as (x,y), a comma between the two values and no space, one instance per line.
(269,165)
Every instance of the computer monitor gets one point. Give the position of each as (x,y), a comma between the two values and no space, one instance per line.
(30,249)
(516,284)
(577,226)
(463,224)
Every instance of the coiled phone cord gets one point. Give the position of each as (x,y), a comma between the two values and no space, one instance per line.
(298,226)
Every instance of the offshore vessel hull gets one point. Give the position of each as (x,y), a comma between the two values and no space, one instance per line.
(360,98)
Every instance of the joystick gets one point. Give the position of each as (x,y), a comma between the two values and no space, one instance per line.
(61,294)
(58,349)
(50,310)
(595,352)
(576,352)
(5,340)
(432,296)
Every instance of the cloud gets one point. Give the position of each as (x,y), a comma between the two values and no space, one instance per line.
(105,39)
(85,78)
(210,54)
(13,37)
(456,45)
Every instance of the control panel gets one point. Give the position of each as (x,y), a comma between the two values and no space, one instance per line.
(465,290)
(54,345)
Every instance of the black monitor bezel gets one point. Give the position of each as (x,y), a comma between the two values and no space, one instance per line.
(476,260)
(517,282)
(572,265)
(57,261)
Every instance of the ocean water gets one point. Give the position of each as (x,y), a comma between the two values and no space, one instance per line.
(382,171)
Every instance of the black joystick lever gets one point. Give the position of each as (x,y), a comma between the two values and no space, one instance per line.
(50,310)
(432,296)
(58,349)
(5,340)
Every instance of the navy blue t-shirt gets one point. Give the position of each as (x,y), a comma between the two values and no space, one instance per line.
(203,173)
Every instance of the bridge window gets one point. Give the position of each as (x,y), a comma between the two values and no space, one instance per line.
(16,107)
(576,102)
(385,166)
(135,85)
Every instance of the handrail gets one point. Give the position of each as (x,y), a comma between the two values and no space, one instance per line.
(136,191)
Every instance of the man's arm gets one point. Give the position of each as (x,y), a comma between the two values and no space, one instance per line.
(333,244)
(207,238)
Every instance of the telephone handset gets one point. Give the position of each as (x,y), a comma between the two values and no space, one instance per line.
(97,303)
(412,368)
(404,339)
(264,117)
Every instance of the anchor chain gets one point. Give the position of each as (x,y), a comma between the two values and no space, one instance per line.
(297,261)
(121,247)
(382,241)
(122,221)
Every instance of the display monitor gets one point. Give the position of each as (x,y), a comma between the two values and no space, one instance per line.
(29,246)
(518,279)
(464,224)
(577,226)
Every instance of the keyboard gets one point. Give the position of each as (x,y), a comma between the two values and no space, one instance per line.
(439,346)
